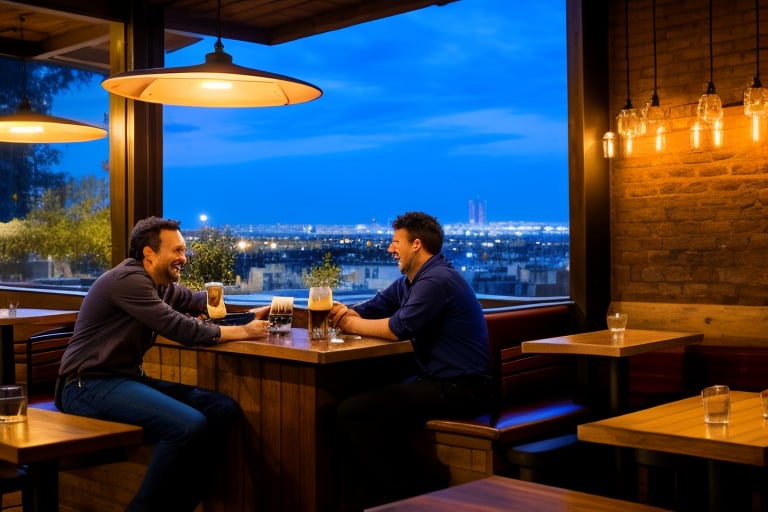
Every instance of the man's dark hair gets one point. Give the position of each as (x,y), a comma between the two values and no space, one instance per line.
(146,232)
(422,226)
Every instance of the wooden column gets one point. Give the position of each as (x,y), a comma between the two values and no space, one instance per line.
(136,128)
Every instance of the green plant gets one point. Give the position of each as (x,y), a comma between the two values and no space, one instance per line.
(211,258)
(325,274)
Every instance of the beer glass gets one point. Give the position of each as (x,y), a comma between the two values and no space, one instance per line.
(281,315)
(216,307)
(319,306)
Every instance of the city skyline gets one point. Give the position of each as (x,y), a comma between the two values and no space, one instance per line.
(423,111)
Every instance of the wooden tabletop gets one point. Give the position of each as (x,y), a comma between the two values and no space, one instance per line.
(295,346)
(32,316)
(50,435)
(678,427)
(504,494)
(600,343)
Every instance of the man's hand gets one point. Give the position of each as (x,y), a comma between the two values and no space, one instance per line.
(341,316)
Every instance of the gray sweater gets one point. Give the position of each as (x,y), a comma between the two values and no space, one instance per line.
(121,317)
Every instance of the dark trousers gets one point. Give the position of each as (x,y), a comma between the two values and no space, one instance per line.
(188,425)
(376,431)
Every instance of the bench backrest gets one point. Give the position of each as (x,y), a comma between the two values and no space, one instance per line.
(521,377)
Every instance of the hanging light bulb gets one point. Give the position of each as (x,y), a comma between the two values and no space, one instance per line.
(756,96)
(609,145)
(629,122)
(710,107)
(27,126)
(655,117)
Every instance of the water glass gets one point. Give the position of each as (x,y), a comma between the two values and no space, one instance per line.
(617,324)
(716,401)
(13,404)
(12,307)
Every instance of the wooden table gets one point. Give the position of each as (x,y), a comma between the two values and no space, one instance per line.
(25,316)
(284,459)
(600,343)
(678,427)
(499,494)
(48,436)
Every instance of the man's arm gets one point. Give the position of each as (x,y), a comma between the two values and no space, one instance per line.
(349,321)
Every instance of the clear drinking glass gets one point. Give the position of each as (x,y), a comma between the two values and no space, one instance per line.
(716,401)
(319,305)
(13,404)
(281,315)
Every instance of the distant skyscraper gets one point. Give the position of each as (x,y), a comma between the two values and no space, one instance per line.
(472,212)
(481,216)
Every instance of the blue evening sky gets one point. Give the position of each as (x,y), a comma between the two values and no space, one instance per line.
(422,111)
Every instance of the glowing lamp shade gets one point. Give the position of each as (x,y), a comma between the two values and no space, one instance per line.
(216,83)
(26,126)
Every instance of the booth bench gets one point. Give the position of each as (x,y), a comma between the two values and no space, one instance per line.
(536,399)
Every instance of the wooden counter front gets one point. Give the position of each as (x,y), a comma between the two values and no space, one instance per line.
(284,459)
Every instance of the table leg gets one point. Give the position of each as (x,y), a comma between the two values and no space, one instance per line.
(44,478)
(7,364)
(619,385)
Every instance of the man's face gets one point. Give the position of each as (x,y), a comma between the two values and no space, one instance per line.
(403,250)
(165,265)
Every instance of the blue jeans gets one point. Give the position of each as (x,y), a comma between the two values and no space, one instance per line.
(189,427)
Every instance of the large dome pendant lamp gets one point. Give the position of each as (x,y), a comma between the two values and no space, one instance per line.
(27,126)
(216,83)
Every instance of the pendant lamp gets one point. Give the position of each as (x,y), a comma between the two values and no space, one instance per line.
(710,108)
(756,96)
(26,126)
(216,83)
(655,117)
(629,122)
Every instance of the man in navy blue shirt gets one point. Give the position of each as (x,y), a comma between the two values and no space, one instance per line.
(433,306)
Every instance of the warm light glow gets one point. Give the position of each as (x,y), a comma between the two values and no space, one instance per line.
(717,133)
(609,145)
(661,138)
(628,146)
(696,136)
(33,128)
(756,120)
(216,84)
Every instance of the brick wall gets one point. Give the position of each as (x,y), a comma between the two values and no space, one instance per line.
(689,226)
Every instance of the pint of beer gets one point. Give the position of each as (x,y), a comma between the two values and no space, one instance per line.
(216,307)
(280,315)
(319,306)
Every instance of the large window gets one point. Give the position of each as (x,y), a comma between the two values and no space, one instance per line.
(459,111)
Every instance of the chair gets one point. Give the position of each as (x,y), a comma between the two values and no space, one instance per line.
(14,478)
(43,351)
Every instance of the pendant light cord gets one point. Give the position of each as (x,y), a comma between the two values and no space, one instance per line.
(711,86)
(626,49)
(655,97)
(218,46)
(757,42)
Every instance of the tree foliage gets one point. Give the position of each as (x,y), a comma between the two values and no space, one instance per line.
(211,258)
(325,274)
(77,235)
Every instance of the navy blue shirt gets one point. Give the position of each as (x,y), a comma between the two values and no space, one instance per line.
(440,314)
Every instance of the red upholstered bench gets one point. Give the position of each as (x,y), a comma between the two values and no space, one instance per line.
(535,395)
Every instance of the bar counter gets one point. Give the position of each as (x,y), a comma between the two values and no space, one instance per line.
(283,459)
